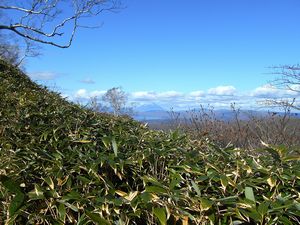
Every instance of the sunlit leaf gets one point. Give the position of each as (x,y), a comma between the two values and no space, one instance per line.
(36,193)
(196,188)
(106,141)
(62,212)
(155,189)
(224,181)
(131,196)
(96,218)
(121,193)
(263,208)
(49,181)
(271,181)
(115,146)
(291,158)
(249,194)
(205,204)
(83,141)
(73,195)
(160,213)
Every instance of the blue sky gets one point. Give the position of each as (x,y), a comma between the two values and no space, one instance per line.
(178,53)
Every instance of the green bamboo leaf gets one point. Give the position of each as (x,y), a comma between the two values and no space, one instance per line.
(50,182)
(224,181)
(10,185)
(131,196)
(176,178)
(155,189)
(83,220)
(160,213)
(115,146)
(271,181)
(285,221)
(70,206)
(196,188)
(227,200)
(146,197)
(273,151)
(96,218)
(291,158)
(249,194)
(263,208)
(255,215)
(83,141)
(152,180)
(16,203)
(237,222)
(73,195)
(83,179)
(297,205)
(36,193)
(62,212)
(205,204)
(106,141)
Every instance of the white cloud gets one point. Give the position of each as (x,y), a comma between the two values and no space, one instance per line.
(87,81)
(81,93)
(266,91)
(46,75)
(222,90)
(169,94)
(197,93)
(97,93)
(84,94)
(144,95)
(269,91)
(155,96)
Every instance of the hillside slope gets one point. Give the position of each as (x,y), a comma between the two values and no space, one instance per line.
(63,164)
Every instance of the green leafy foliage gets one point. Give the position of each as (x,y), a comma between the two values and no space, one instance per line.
(63,164)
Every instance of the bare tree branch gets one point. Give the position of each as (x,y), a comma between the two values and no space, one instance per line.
(288,79)
(46,21)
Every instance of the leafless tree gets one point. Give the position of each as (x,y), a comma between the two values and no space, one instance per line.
(15,51)
(288,79)
(117,100)
(8,51)
(52,22)
(96,105)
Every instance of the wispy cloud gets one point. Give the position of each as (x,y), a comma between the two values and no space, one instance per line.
(222,90)
(144,96)
(44,76)
(269,91)
(153,96)
(83,94)
(266,91)
(87,81)
(197,93)
(97,93)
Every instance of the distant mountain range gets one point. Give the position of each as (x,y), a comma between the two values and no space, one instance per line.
(154,112)
(149,107)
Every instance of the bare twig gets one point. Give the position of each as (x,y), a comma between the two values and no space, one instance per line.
(43,21)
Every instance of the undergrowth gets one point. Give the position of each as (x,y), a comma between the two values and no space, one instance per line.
(63,164)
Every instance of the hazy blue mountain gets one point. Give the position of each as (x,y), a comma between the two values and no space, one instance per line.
(149,107)
(154,112)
